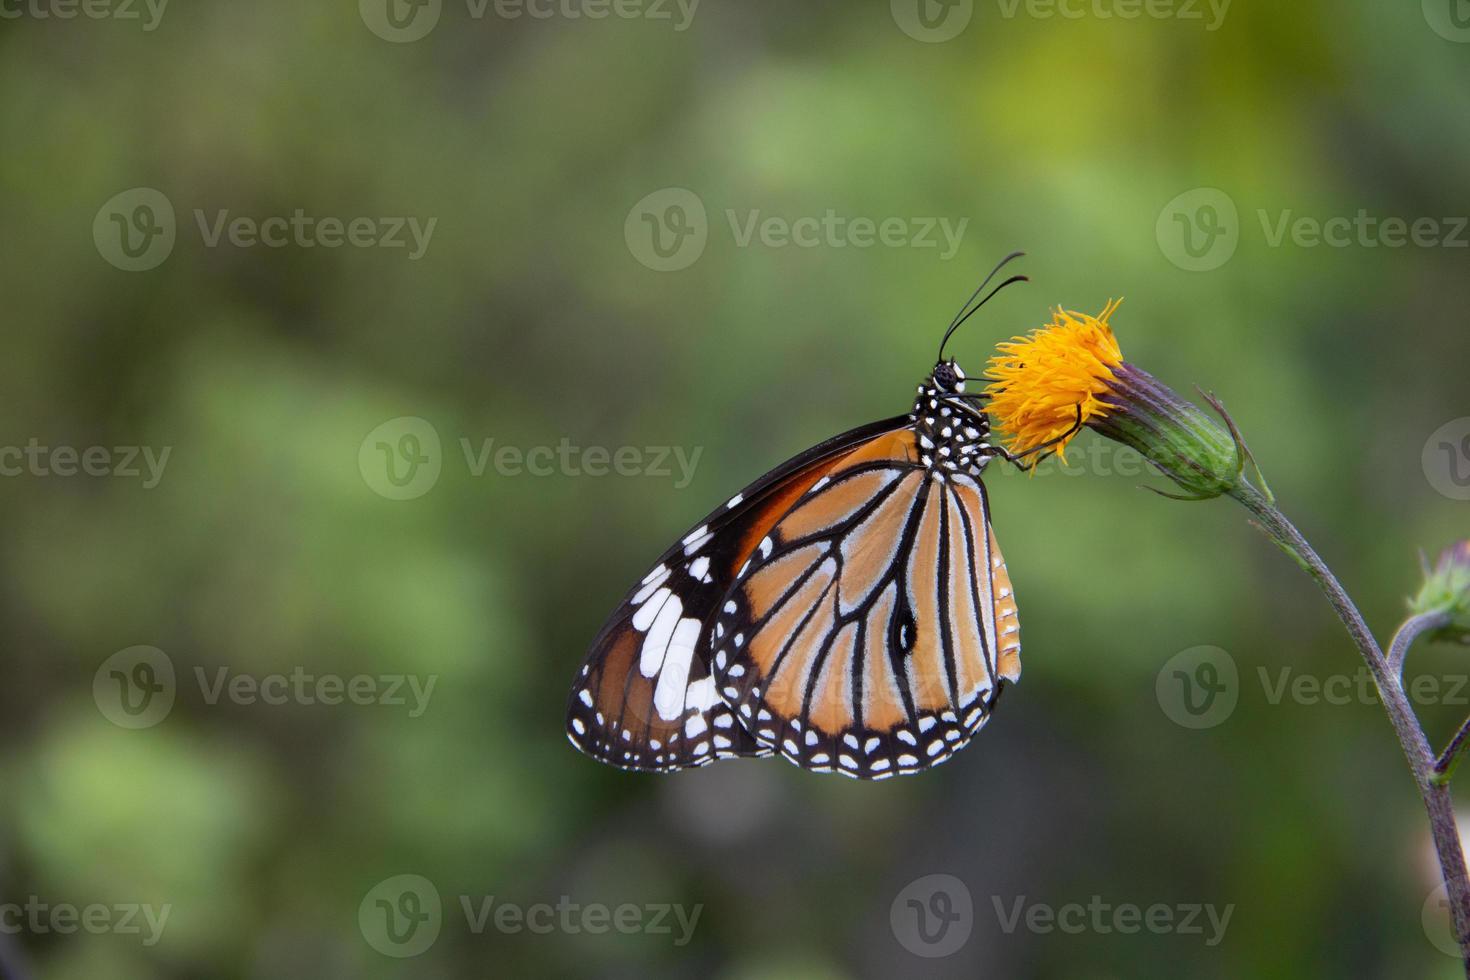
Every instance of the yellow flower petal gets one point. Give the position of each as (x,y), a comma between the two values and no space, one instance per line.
(1038,382)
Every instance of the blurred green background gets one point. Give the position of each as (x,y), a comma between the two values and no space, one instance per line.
(1113,148)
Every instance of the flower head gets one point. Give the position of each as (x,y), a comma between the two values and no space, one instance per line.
(1070,373)
(1446,589)
(1039,382)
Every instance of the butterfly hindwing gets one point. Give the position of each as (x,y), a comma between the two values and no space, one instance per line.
(874,624)
(645,698)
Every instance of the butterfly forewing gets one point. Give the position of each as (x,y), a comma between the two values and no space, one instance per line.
(873,625)
(645,698)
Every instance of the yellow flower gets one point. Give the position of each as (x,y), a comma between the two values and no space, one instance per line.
(1038,382)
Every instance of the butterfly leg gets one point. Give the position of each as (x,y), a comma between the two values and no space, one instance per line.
(1015,458)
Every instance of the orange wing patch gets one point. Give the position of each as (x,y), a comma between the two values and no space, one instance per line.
(1008,623)
(863,638)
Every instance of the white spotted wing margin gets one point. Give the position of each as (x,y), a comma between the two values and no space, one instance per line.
(874,628)
(644,699)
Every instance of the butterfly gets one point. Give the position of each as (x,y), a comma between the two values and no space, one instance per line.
(849,611)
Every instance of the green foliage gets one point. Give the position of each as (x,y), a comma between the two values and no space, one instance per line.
(528,320)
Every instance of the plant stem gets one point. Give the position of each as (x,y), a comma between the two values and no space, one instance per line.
(1433,790)
(1446,764)
(1413,628)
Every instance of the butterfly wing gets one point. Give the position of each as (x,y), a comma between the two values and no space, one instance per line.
(644,698)
(873,628)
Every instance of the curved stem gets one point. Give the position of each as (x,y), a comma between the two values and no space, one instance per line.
(1413,628)
(1433,789)
(1446,764)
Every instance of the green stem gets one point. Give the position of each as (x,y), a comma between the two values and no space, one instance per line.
(1433,789)
(1413,628)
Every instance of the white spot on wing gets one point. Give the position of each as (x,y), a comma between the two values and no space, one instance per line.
(673,678)
(701,695)
(650,608)
(659,634)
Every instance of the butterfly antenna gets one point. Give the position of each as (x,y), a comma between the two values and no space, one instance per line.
(974,309)
(966,310)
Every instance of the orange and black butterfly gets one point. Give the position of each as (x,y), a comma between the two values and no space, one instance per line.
(850,610)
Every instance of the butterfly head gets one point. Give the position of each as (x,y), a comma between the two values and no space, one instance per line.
(948,377)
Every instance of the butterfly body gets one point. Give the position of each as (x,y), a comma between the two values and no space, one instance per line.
(849,611)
